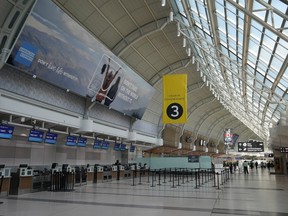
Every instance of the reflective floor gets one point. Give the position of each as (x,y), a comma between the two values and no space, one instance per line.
(258,193)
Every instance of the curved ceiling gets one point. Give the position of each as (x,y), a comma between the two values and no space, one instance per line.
(223,69)
(235,55)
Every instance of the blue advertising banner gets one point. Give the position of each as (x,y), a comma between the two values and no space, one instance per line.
(35,136)
(71,140)
(82,142)
(97,144)
(6,131)
(51,138)
(105,145)
(58,50)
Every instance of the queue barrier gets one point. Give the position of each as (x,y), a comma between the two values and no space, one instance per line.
(62,181)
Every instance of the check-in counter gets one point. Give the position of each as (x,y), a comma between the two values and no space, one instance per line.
(100,174)
(122,172)
(107,173)
(5,176)
(90,175)
(21,181)
(114,172)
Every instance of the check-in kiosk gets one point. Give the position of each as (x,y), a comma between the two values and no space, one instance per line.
(90,174)
(122,171)
(5,176)
(21,181)
(107,172)
(98,173)
(114,172)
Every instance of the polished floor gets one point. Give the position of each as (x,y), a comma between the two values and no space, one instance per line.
(258,193)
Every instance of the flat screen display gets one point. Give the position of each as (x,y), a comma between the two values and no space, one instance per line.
(35,136)
(123,147)
(105,145)
(82,141)
(71,140)
(97,144)
(50,138)
(6,131)
(117,146)
(251,146)
(132,148)
(193,159)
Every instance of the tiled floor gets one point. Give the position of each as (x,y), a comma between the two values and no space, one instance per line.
(258,193)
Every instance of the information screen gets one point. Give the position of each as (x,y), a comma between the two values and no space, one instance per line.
(117,146)
(105,145)
(6,131)
(132,148)
(35,136)
(97,144)
(82,142)
(71,140)
(51,138)
(123,147)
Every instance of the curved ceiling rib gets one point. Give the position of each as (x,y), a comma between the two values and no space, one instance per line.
(183,63)
(139,34)
(277,80)
(246,35)
(217,122)
(207,115)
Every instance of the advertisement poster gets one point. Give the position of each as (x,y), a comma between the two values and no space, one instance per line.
(58,50)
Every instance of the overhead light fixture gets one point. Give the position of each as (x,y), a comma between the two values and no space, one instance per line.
(189,51)
(201,74)
(184,41)
(178,29)
(204,78)
(198,66)
(34,76)
(67,90)
(193,59)
(163,3)
(207,84)
(171,16)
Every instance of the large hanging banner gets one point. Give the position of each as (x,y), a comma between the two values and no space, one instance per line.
(174,99)
(58,50)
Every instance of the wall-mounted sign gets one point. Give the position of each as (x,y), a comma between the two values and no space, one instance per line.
(58,50)
(284,149)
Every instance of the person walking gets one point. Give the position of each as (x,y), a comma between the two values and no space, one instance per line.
(245,166)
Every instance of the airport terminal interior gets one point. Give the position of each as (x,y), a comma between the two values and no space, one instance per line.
(143,107)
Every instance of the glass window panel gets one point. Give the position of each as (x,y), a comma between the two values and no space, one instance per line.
(256,28)
(279,91)
(253,47)
(281,6)
(268,83)
(259,77)
(268,42)
(265,55)
(282,49)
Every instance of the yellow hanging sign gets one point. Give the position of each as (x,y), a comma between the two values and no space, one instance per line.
(174,99)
